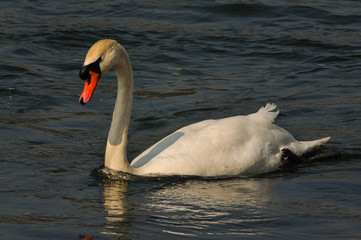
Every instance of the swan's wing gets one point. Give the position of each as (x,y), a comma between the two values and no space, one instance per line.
(214,130)
(227,146)
(164,144)
(236,145)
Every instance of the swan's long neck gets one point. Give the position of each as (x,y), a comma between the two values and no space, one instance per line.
(115,153)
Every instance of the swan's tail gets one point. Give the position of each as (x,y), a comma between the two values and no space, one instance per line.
(301,147)
(266,114)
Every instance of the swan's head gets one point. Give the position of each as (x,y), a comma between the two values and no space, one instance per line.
(101,57)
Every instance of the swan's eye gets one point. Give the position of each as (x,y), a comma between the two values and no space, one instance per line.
(100,59)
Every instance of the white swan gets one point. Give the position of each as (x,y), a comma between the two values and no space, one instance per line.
(239,145)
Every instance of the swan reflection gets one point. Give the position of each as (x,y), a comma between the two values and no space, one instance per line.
(188,207)
(116,205)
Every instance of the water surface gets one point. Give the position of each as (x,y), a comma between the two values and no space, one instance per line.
(192,60)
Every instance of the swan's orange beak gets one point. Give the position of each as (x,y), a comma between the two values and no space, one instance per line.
(89,87)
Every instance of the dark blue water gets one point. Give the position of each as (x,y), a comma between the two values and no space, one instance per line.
(192,61)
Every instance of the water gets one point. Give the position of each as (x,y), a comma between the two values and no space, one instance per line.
(192,61)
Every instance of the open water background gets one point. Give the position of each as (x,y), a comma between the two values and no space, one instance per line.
(192,60)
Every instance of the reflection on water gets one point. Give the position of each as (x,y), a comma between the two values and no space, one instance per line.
(250,208)
(191,207)
(116,206)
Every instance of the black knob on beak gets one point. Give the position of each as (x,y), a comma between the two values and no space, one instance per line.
(84,73)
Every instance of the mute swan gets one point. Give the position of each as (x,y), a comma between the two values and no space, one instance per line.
(239,145)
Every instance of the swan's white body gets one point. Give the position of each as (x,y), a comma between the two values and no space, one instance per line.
(237,145)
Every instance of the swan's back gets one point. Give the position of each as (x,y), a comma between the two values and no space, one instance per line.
(236,145)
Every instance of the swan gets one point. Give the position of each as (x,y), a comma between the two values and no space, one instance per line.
(238,145)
